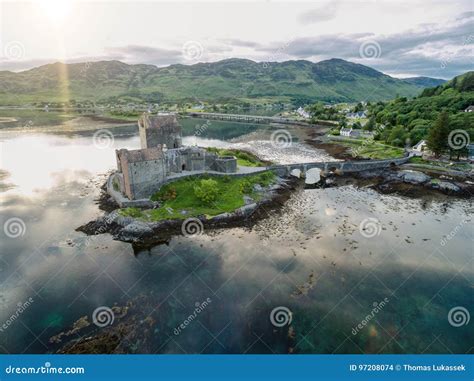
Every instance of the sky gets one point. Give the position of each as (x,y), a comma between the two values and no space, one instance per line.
(400,38)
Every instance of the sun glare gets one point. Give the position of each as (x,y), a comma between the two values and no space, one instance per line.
(56,10)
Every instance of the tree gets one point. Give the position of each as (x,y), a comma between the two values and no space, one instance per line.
(206,191)
(343,122)
(358,107)
(437,140)
(370,125)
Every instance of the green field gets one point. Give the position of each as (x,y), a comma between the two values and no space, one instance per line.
(370,149)
(180,196)
(440,164)
(245,159)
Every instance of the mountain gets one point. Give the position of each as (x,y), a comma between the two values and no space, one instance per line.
(424,81)
(333,80)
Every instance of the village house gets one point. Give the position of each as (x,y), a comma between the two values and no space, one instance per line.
(301,112)
(419,148)
(355,133)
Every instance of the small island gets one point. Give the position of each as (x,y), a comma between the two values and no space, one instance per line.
(164,185)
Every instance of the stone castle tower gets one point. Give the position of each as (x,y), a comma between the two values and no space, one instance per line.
(159,130)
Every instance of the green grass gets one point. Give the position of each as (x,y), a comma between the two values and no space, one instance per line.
(179,196)
(370,149)
(244,158)
(441,164)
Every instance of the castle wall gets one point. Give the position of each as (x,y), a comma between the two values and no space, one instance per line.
(159,130)
(226,164)
(146,178)
(153,137)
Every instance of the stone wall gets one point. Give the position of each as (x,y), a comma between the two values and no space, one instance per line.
(146,177)
(227,164)
(159,130)
(343,166)
(141,169)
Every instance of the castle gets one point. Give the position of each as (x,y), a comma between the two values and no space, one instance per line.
(142,172)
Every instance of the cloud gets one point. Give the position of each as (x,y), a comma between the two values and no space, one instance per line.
(320,14)
(235,42)
(431,49)
(135,54)
(440,50)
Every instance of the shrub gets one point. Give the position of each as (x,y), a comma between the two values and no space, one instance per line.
(165,194)
(116,185)
(266,178)
(246,186)
(207,190)
(131,212)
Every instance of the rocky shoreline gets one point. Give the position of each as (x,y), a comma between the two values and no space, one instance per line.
(142,233)
(411,183)
(146,233)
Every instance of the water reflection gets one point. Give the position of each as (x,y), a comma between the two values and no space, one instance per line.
(310,257)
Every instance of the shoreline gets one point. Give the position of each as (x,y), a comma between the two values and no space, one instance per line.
(142,233)
(145,234)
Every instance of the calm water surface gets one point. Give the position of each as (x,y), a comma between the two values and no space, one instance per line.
(309,258)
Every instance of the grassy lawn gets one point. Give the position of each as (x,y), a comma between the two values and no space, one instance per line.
(441,164)
(245,159)
(370,149)
(180,196)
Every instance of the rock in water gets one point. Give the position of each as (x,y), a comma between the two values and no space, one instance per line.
(296,172)
(413,177)
(313,176)
(449,187)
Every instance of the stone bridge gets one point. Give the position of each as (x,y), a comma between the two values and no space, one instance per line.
(254,119)
(343,166)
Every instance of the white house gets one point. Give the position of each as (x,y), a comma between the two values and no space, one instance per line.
(420,147)
(469,109)
(345,131)
(355,133)
(301,112)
